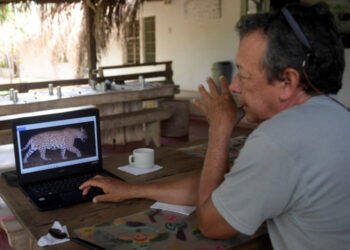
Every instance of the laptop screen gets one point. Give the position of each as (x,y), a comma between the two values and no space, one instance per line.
(52,143)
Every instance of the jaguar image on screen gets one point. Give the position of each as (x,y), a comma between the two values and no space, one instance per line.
(57,139)
(57,144)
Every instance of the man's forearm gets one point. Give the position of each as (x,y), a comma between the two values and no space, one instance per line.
(216,163)
(210,222)
(184,191)
(215,166)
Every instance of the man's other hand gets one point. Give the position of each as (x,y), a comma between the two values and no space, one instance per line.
(114,190)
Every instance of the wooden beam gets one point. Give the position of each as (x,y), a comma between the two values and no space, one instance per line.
(166,73)
(26,86)
(136,65)
(39,1)
(136,117)
(54,1)
(91,42)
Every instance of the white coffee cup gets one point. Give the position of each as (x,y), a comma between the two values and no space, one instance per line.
(142,158)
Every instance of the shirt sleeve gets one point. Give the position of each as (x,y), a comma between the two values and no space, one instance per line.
(258,186)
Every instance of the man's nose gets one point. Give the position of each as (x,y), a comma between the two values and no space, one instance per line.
(235,86)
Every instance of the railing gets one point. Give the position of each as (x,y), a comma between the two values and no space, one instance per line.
(167,73)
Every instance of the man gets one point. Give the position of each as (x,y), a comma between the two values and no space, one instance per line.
(294,170)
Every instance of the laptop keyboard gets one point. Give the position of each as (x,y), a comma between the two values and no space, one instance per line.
(59,186)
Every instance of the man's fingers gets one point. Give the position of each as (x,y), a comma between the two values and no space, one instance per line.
(86,184)
(97,180)
(212,87)
(224,85)
(103,198)
(93,182)
(203,92)
(86,190)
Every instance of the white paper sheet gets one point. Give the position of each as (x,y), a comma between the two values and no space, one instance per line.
(48,240)
(186,210)
(138,171)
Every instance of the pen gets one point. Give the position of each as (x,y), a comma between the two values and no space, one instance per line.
(87,244)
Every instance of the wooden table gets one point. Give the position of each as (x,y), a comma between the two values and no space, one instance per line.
(176,164)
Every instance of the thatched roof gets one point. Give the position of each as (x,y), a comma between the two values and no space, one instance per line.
(59,1)
(107,16)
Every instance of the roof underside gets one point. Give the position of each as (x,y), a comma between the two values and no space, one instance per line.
(38,1)
(57,1)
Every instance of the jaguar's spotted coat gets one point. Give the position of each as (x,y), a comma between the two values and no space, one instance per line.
(58,139)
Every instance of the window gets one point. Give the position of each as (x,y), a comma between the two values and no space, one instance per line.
(149,39)
(135,43)
(254,6)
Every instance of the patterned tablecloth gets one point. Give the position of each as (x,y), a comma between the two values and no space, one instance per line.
(154,229)
(236,144)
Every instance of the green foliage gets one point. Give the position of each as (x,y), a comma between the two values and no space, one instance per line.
(7,11)
(4,12)
(3,64)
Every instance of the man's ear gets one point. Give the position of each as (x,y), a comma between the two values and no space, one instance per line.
(290,83)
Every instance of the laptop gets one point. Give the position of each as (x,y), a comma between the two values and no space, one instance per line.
(55,153)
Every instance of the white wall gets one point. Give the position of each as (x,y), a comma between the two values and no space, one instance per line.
(36,64)
(113,54)
(193,43)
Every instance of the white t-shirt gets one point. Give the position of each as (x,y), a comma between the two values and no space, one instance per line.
(294,173)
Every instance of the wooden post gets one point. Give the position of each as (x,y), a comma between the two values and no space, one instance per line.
(91,42)
(178,124)
(169,72)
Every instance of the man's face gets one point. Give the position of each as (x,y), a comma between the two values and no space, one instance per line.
(258,98)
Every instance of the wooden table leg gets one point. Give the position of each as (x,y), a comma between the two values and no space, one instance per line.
(153,133)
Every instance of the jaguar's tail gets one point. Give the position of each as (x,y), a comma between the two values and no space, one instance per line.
(28,144)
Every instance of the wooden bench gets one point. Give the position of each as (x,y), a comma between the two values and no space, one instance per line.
(167,74)
(116,107)
(150,118)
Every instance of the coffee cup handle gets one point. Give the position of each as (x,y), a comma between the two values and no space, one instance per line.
(131,160)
